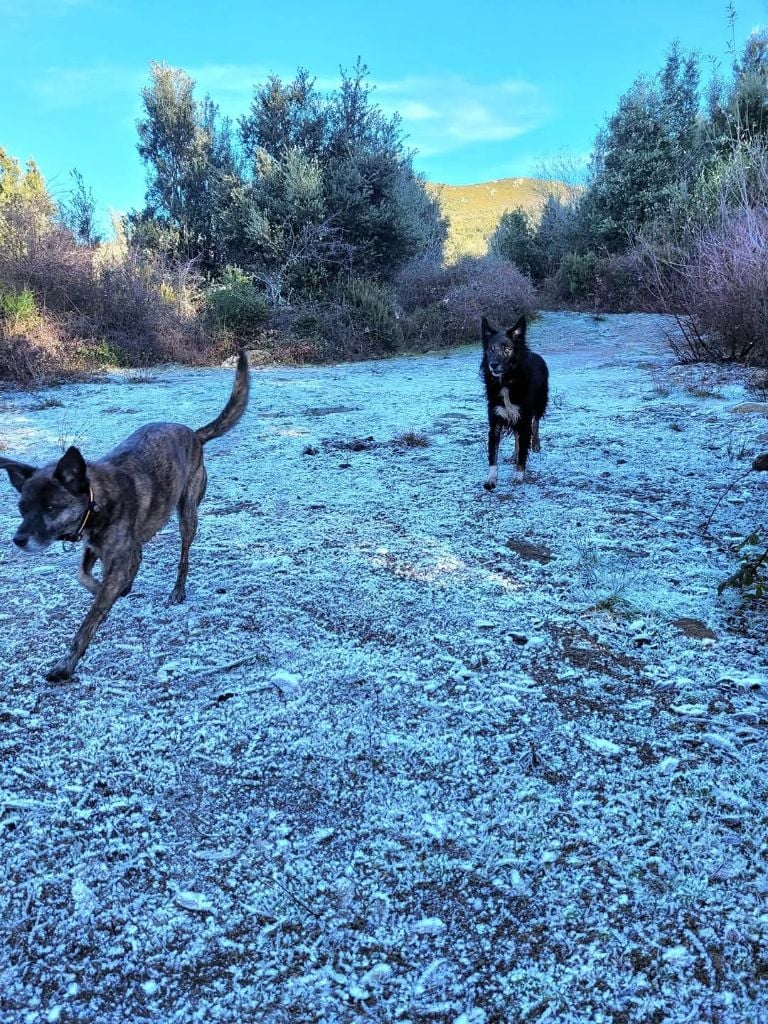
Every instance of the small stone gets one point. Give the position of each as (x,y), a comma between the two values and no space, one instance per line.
(429,926)
(288,683)
(761,408)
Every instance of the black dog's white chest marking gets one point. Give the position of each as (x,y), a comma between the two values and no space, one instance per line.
(508,412)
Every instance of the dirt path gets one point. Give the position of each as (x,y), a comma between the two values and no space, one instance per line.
(411,751)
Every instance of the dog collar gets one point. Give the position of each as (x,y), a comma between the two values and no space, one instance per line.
(91,507)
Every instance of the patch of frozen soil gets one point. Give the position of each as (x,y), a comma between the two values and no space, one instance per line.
(411,751)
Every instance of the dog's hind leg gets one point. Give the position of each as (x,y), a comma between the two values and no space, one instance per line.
(117,577)
(187,509)
(524,443)
(494,436)
(535,442)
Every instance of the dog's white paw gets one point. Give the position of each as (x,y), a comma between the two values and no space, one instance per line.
(519,476)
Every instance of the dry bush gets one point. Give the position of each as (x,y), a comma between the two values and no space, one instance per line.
(40,353)
(620,285)
(95,306)
(422,282)
(40,255)
(717,288)
(145,309)
(712,274)
(444,305)
(350,326)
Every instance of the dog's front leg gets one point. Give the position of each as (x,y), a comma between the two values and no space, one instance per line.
(117,580)
(494,436)
(85,574)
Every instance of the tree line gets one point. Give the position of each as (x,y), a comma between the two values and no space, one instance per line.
(673,215)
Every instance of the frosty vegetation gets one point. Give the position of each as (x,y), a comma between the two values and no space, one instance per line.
(410,752)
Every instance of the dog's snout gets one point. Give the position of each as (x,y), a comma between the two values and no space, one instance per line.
(21,540)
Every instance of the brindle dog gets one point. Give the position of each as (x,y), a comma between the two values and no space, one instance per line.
(117,503)
(517,389)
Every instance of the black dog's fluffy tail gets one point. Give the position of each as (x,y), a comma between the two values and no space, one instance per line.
(235,407)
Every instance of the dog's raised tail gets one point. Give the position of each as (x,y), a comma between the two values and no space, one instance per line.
(235,407)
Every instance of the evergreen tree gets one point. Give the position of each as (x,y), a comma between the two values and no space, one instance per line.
(646,153)
(24,189)
(78,211)
(514,239)
(284,116)
(190,162)
(738,112)
(331,187)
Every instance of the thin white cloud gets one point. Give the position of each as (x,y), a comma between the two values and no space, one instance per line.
(444,113)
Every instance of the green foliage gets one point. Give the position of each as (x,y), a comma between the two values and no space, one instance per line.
(577,276)
(25,188)
(752,575)
(370,307)
(18,309)
(647,149)
(324,186)
(738,111)
(188,152)
(236,304)
(104,353)
(27,211)
(78,211)
(284,116)
(515,240)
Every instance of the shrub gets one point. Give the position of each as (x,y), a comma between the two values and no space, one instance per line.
(713,272)
(619,284)
(18,309)
(722,288)
(515,240)
(576,277)
(359,320)
(236,304)
(424,281)
(370,308)
(491,287)
(454,298)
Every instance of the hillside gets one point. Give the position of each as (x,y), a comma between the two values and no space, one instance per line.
(474,210)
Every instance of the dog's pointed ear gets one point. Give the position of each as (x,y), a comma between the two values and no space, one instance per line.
(71,471)
(517,333)
(18,472)
(486,330)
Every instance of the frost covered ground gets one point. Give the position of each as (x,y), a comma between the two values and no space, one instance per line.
(411,752)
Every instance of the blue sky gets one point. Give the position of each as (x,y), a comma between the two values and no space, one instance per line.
(487,88)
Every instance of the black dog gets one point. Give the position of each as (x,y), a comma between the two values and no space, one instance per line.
(117,503)
(517,389)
